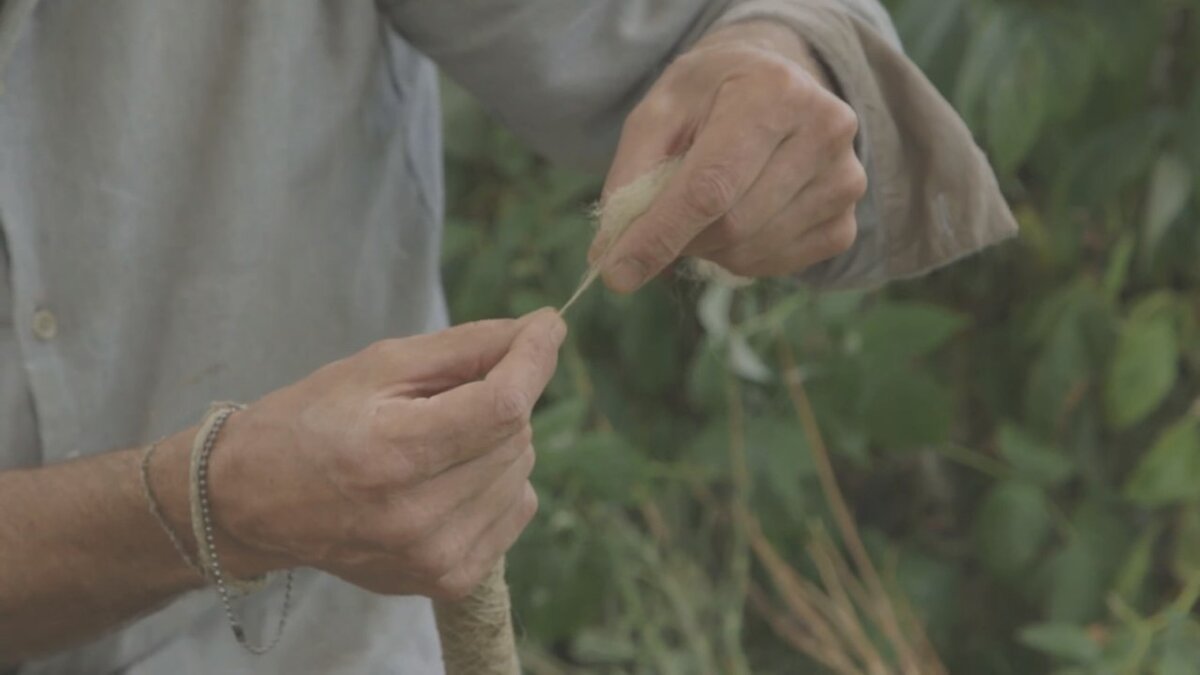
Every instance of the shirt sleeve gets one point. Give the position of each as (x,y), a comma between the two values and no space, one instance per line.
(563,74)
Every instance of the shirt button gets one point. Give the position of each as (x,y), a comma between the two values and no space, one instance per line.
(45,324)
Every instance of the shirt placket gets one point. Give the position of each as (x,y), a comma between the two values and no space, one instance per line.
(39,332)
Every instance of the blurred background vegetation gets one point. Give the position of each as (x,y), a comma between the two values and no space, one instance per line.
(1018,435)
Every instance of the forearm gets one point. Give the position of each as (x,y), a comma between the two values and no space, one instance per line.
(80,550)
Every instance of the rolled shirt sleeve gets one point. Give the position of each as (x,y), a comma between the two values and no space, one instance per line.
(563,74)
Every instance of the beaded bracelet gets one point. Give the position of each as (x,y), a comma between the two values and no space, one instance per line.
(202,525)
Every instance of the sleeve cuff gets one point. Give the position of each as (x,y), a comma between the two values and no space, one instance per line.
(932,196)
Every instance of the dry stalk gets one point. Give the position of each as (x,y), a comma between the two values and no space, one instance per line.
(797,636)
(827,623)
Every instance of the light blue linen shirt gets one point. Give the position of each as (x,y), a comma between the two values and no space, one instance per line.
(208,200)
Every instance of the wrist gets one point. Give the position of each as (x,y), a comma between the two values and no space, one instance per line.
(774,37)
(173,480)
(236,501)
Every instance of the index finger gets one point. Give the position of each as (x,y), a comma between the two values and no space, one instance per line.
(478,415)
(722,164)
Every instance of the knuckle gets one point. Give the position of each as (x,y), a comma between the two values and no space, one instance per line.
(543,348)
(406,525)
(840,236)
(383,350)
(738,262)
(778,74)
(743,268)
(782,94)
(782,266)
(406,468)
(732,226)
(436,562)
(651,111)
(529,503)
(528,458)
(453,587)
(524,436)
(710,192)
(512,406)
(855,182)
(843,122)
(661,247)
(369,475)
(384,425)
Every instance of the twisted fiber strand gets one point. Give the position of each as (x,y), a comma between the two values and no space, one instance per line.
(477,633)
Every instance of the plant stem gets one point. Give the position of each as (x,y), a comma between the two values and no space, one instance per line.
(739,554)
(882,608)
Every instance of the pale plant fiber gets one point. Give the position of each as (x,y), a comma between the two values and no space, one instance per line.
(615,214)
(476,633)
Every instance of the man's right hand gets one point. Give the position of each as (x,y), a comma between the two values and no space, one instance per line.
(402,469)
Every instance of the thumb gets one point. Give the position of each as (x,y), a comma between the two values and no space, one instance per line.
(507,394)
(460,354)
(644,146)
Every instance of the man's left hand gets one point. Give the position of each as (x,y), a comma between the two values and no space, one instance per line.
(770,178)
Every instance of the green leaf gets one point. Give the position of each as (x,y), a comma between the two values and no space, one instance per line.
(1118,267)
(1185,556)
(598,646)
(547,594)
(1063,640)
(908,409)
(838,306)
(1170,472)
(1142,372)
(1181,649)
(607,467)
(1061,369)
(933,585)
(1076,583)
(925,25)
(1016,105)
(985,55)
(1111,159)
(1034,460)
(557,426)
(1170,188)
(1076,579)
(781,462)
(706,376)
(1011,526)
(1136,568)
(778,458)
(1068,41)
(649,341)
(894,333)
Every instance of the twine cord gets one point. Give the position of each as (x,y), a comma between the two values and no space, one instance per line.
(476,633)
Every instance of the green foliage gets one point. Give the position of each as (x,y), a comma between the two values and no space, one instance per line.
(1170,471)
(1018,435)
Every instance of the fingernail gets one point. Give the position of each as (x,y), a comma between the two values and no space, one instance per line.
(626,275)
(558,331)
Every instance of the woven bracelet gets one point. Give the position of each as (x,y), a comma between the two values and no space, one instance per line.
(156,509)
